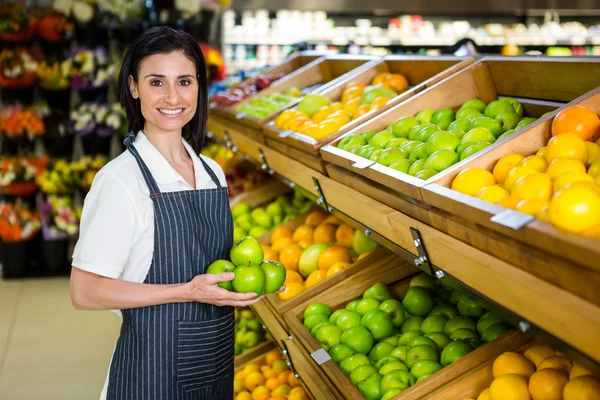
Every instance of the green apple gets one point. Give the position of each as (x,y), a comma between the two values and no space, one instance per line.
(251,339)
(439,301)
(349,364)
(333,317)
(399,352)
(472,117)
(423,377)
(254,325)
(312,320)
(440,160)
(379,291)
(478,135)
(464,334)
(465,112)
(385,360)
(278,219)
(417,301)
(391,393)
(419,353)
(220,267)
(366,305)
(328,336)
(308,262)
(425,116)
(492,125)
(454,351)
(246,252)
(441,140)
(440,339)
(425,133)
(402,127)
(458,133)
(379,351)
(375,155)
(372,93)
(314,329)
(426,174)
(368,135)
(476,343)
(348,319)
(249,279)
(454,297)
(380,139)
(378,323)
(402,165)
(433,323)
(364,151)
(498,107)
(238,234)
(351,140)
(424,367)
(516,105)
(508,121)
(311,103)
(358,339)
(460,322)
(524,122)
(488,320)
(370,387)
(424,281)
(421,341)
(416,129)
(275,209)
(317,308)
(409,336)
(362,243)
(461,124)
(390,156)
(447,311)
(476,104)
(394,309)
(275,274)
(463,146)
(408,146)
(494,331)
(361,373)
(392,339)
(244,221)
(261,218)
(352,305)
(469,307)
(419,153)
(257,231)
(416,167)
(393,366)
(395,143)
(238,349)
(473,149)
(396,379)
(240,209)
(506,134)
(412,324)
(340,352)
(443,118)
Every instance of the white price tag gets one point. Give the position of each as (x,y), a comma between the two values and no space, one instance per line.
(240,115)
(362,163)
(512,219)
(285,134)
(321,356)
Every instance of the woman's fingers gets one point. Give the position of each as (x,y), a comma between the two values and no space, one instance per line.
(213,279)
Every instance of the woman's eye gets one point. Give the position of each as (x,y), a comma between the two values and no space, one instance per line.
(185,82)
(155,83)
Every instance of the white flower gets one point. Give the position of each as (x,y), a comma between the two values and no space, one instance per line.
(16,71)
(88,66)
(30,65)
(63,6)
(188,7)
(101,77)
(100,113)
(82,120)
(113,121)
(83,12)
(65,67)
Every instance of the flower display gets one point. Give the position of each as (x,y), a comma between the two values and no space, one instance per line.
(54,26)
(88,68)
(17,174)
(82,11)
(123,10)
(17,222)
(87,168)
(18,68)
(91,119)
(59,178)
(60,219)
(52,76)
(16,24)
(16,121)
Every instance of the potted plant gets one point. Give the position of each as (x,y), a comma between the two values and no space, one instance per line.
(18,226)
(16,24)
(89,122)
(90,72)
(17,175)
(58,178)
(18,74)
(86,168)
(54,26)
(55,84)
(20,126)
(60,223)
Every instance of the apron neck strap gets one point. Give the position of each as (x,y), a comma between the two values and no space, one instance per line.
(210,172)
(152,185)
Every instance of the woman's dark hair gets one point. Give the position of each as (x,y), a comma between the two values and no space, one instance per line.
(161,40)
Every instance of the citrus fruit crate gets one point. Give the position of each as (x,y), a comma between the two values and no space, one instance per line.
(319,73)
(573,248)
(398,279)
(421,72)
(221,129)
(253,353)
(540,85)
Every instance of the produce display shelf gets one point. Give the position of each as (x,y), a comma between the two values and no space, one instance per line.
(252,353)
(260,194)
(420,71)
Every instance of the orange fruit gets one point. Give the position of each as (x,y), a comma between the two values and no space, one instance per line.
(336,106)
(485,395)
(282,367)
(337,267)
(238,385)
(578,371)
(306,127)
(344,236)
(243,396)
(332,255)
(315,217)
(543,152)
(543,215)
(547,384)
(379,102)
(281,232)
(352,92)
(472,180)
(505,165)
(364,255)
(303,232)
(332,220)
(298,393)
(271,356)
(563,180)
(293,276)
(351,106)
(538,163)
(593,153)
(322,115)
(278,397)
(582,388)
(492,194)
(515,174)
(510,202)
(290,256)
(315,277)
(250,368)
(560,166)
(567,145)
(272,383)
(283,390)
(398,82)
(269,254)
(534,186)
(268,373)
(536,354)
(575,208)
(325,129)
(324,233)
(254,380)
(556,362)
(512,363)
(509,387)
(593,232)
(594,169)
(362,110)
(305,243)
(239,375)
(292,289)
(261,393)
(280,244)
(532,206)
(293,381)
(577,120)
(380,78)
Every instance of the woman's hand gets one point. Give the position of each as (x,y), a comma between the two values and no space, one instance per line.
(204,289)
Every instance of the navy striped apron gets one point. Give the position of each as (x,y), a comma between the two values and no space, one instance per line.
(179,351)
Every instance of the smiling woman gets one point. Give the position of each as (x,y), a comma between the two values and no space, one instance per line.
(155,218)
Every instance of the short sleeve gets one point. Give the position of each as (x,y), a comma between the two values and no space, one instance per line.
(107,228)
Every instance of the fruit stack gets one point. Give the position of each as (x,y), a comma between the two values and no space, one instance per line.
(229,97)
(316,250)
(262,107)
(559,184)
(249,331)
(432,141)
(540,373)
(271,380)
(316,116)
(257,222)
(385,345)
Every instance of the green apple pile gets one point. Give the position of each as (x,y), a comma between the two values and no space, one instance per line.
(249,330)
(257,222)
(386,345)
(252,273)
(432,141)
(262,107)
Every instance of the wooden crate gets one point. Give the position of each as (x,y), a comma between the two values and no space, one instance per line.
(222,129)
(398,278)
(421,72)
(540,234)
(251,354)
(261,194)
(540,84)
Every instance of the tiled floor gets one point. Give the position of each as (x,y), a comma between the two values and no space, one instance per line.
(48,350)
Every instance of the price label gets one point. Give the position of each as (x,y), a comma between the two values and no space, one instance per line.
(285,134)
(321,356)
(512,219)
(362,164)
(241,115)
